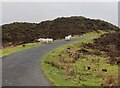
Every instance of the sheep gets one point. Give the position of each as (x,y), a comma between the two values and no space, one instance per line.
(47,40)
(68,37)
(40,39)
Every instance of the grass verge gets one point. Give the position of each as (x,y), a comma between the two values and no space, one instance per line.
(11,50)
(60,69)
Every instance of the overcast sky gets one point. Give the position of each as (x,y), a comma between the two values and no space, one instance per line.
(41,11)
(119,14)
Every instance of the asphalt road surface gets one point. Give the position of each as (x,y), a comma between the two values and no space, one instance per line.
(23,68)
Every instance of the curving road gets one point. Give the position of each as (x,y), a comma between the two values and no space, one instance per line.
(23,68)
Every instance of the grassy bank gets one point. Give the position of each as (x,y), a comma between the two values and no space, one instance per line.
(64,66)
(11,50)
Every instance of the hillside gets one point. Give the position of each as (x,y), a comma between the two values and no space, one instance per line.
(88,62)
(85,62)
(19,33)
(108,46)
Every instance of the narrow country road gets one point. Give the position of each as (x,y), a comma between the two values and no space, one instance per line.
(23,68)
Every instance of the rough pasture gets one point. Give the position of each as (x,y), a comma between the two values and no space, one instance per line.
(73,65)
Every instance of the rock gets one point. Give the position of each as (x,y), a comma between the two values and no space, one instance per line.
(23,45)
(104,70)
(88,67)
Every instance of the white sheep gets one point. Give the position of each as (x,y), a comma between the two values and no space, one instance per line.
(40,39)
(68,37)
(47,40)
(44,40)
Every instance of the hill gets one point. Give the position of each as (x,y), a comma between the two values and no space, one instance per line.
(19,33)
(108,46)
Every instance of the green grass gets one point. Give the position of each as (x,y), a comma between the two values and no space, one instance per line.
(11,50)
(98,75)
(82,77)
(99,32)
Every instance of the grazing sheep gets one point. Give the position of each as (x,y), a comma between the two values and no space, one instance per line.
(68,37)
(47,40)
(40,39)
